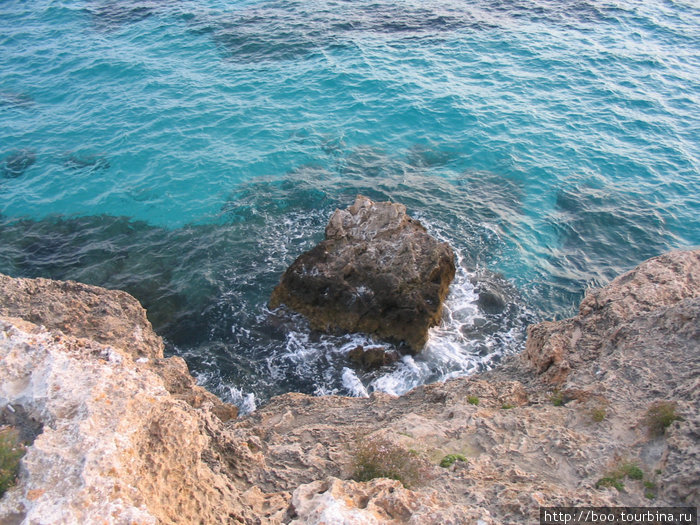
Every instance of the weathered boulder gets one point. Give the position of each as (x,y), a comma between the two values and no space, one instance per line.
(378,271)
(16,163)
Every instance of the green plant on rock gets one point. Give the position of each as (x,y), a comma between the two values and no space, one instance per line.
(610,481)
(660,415)
(649,489)
(473,400)
(450,459)
(631,470)
(11,450)
(381,458)
(507,406)
(557,398)
(625,469)
(598,414)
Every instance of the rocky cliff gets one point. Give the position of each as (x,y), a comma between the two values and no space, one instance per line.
(119,434)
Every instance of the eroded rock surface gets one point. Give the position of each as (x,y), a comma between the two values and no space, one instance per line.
(105,316)
(378,271)
(532,435)
(121,444)
(116,445)
(554,348)
(109,317)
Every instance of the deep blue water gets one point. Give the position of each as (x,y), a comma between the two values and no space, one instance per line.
(188,151)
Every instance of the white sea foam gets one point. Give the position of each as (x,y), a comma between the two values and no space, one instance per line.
(448,352)
(353,383)
(244,400)
(407,375)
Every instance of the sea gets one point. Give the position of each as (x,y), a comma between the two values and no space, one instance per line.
(187,151)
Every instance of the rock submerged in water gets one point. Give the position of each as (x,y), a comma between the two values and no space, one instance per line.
(16,163)
(378,271)
(81,161)
(372,357)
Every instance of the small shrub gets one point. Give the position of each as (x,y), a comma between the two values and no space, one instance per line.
(557,398)
(450,459)
(598,414)
(507,406)
(631,470)
(660,416)
(11,450)
(610,481)
(381,458)
(649,489)
(614,479)
(473,400)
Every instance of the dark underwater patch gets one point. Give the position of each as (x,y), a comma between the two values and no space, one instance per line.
(368,162)
(16,100)
(394,18)
(16,163)
(428,156)
(236,42)
(332,145)
(111,15)
(603,233)
(166,270)
(82,161)
(298,191)
(285,30)
(573,14)
(490,197)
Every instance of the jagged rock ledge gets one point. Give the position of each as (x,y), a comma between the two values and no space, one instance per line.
(121,435)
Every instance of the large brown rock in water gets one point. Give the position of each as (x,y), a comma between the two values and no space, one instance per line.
(378,272)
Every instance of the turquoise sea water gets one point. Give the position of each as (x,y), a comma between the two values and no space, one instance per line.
(188,151)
